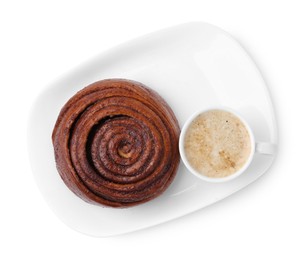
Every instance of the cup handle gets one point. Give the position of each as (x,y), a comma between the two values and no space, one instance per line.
(265,148)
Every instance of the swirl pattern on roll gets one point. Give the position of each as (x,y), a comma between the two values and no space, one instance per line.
(116,143)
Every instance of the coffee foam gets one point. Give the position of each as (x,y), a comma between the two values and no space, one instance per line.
(217,144)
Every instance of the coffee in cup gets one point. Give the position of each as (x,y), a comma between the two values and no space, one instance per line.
(217,144)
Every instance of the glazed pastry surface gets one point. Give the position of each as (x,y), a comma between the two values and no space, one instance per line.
(116,143)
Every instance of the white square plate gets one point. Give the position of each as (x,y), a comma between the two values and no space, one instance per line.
(192,66)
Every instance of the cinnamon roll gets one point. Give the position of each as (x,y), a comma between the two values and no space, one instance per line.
(116,143)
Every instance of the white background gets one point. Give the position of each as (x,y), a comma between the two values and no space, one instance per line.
(41,40)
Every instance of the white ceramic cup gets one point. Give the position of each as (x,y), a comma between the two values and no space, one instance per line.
(256,147)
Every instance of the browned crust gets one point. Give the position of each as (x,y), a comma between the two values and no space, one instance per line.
(116,143)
